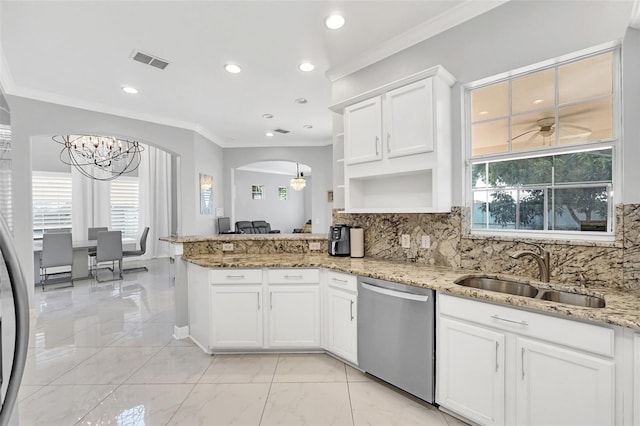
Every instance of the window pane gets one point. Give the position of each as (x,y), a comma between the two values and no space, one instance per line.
(124,206)
(479,175)
(490,102)
(588,121)
(586,79)
(282,193)
(257,192)
(579,209)
(502,210)
(480,207)
(583,167)
(531,209)
(531,131)
(490,138)
(51,194)
(522,172)
(533,92)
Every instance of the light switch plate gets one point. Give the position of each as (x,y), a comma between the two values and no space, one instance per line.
(314,246)
(405,241)
(227,246)
(426,242)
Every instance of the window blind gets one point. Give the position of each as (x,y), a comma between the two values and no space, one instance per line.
(124,206)
(51,202)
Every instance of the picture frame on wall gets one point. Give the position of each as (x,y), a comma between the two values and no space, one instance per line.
(206,194)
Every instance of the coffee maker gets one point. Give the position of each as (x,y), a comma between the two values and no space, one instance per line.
(339,240)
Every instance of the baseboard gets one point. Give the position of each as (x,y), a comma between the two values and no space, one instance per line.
(180,333)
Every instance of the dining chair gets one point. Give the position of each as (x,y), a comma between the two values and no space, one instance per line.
(109,249)
(92,235)
(133,253)
(57,250)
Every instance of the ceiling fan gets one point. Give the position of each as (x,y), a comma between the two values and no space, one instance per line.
(546,127)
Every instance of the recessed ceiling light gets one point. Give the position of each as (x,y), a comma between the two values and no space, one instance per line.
(233,68)
(307,126)
(267,115)
(334,21)
(538,101)
(130,90)
(306,66)
(483,112)
(301,101)
(269,134)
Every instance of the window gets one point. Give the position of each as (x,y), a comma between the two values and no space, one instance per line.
(124,206)
(543,147)
(282,193)
(51,202)
(257,192)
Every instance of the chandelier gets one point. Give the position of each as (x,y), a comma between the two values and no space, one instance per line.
(298,182)
(99,157)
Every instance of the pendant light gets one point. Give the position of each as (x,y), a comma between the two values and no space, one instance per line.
(298,183)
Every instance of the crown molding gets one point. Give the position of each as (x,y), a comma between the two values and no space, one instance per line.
(634,22)
(434,26)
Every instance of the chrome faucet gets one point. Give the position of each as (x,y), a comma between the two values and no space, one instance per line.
(543,260)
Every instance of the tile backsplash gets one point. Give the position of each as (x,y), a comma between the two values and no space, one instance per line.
(615,264)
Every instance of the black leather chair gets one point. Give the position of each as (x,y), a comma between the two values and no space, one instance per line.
(244,227)
(263,227)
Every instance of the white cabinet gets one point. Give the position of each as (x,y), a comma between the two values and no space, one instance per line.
(341,321)
(499,365)
(294,316)
(559,386)
(236,316)
(397,146)
(471,371)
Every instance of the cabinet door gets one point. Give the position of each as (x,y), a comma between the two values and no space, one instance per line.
(294,316)
(342,330)
(363,132)
(236,320)
(409,119)
(558,386)
(471,373)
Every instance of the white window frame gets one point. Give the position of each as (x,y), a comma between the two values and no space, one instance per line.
(63,184)
(615,144)
(125,224)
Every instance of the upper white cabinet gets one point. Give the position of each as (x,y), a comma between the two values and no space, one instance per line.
(397,146)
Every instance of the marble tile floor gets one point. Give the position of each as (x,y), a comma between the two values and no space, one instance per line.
(103,353)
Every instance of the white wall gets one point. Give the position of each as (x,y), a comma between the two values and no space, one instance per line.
(318,158)
(282,215)
(208,160)
(514,35)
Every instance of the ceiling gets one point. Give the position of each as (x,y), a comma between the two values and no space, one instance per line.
(78,53)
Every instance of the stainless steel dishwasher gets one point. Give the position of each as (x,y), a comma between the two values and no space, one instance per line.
(396,335)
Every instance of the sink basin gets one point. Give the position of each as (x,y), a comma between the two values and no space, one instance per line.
(500,286)
(573,299)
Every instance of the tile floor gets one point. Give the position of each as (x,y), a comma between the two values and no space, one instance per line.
(103,353)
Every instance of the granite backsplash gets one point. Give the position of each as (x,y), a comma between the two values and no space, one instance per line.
(612,264)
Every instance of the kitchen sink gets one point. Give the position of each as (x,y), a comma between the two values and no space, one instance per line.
(498,285)
(573,299)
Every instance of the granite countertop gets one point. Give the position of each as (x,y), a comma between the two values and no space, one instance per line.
(244,237)
(622,306)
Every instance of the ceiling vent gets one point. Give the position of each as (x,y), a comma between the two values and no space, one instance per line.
(284,132)
(150,60)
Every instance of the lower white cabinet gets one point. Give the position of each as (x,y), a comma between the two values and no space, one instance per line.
(294,316)
(341,315)
(237,316)
(471,371)
(498,365)
(560,386)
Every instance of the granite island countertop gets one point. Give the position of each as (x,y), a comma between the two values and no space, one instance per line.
(244,237)
(622,306)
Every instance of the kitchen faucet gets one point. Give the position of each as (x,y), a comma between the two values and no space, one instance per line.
(542,259)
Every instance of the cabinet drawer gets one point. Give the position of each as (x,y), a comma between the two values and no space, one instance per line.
(293,276)
(578,335)
(235,276)
(342,281)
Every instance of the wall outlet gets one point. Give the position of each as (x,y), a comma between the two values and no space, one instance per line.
(426,242)
(227,246)
(314,246)
(405,240)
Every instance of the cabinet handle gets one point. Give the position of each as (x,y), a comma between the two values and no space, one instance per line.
(497,345)
(271,301)
(522,362)
(293,277)
(496,317)
(258,294)
(235,277)
(339,280)
(377,143)
(351,310)
(388,142)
